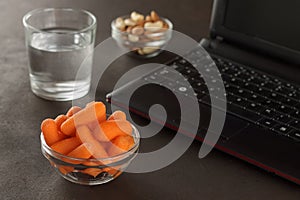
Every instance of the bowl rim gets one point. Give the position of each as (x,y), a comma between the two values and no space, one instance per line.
(170,24)
(118,157)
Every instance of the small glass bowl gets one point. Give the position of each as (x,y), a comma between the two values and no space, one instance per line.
(146,45)
(90,171)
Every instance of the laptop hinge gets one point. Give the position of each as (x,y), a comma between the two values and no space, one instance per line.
(214,43)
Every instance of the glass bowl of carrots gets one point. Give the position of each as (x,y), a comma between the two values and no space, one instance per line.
(87,147)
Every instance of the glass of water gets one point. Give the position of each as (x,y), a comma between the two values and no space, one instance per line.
(60,45)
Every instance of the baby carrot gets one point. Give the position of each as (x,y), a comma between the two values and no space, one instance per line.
(92,171)
(61,136)
(66,146)
(97,111)
(59,120)
(90,104)
(117,115)
(120,144)
(65,169)
(81,152)
(113,171)
(73,110)
(85,136)
(50,131)
(100,110)
(92,163)
(105,145)
(93,125)
(110,129)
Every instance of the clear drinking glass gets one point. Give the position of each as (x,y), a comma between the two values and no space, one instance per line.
(58,40)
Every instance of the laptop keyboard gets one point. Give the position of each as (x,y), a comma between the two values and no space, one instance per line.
(251,94)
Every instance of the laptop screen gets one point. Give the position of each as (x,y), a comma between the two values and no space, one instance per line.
(268,25)
(274,21)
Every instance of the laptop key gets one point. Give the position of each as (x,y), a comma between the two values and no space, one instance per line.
(241,76)
(258,81)
(289,101)
(295,114)
(231,89)
(282,129)
(295,135)
(241,112)
(266,122)
(249,86)
(199,86)
(276,96)
(289,85)
(295,123)
(257,98)
(240,102)
(270,95)
(297,106)
(168,74)
(270,85)
(200,96)
(294,95)
(230,97)
(174,65)
(268,112)
(254,107)
(228,71)
(154,79)
(249,95)
(283,118)
(283,108)
(179,67)
(169,84)
(282,90)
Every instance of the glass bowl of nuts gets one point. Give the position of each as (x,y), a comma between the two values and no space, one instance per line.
(144,36)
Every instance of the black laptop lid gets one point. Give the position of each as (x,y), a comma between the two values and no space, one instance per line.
(270,26)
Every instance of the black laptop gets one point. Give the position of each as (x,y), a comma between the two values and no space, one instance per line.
(256,47)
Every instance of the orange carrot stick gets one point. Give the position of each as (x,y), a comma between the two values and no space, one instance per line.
(113,171)
(90,104)
(66,146)
(93,125)
(73,110)
(105,145)
(120,144)
(61,136)
(85,136)
(117,115)
(110,129)
(65,169)
(50,131)
(99,107)
(97,111)
(81,151)
(92,163)
(59,120)
(92,171)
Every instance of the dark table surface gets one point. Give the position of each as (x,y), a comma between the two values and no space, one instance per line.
(26,174)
